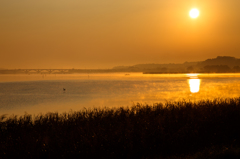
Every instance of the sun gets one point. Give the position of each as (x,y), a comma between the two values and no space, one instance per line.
(194,13)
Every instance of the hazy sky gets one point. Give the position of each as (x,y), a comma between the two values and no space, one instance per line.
(107,33)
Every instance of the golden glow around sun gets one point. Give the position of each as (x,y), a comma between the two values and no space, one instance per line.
(194,13)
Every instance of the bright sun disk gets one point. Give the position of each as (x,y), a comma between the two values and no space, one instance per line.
(194,13)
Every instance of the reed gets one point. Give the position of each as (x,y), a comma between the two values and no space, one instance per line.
(142,131)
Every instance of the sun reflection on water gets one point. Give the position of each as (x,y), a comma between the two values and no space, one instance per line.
(194,85)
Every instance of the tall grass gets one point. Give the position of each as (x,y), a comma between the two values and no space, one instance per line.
(141,131)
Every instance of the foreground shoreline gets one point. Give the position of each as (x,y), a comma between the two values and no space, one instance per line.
(164,130)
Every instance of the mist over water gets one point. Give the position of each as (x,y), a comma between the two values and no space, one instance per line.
(37,93)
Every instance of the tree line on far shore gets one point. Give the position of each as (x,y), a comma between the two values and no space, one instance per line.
(221,64)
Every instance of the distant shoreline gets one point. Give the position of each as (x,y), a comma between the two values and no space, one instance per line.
(220,64)
(186,72)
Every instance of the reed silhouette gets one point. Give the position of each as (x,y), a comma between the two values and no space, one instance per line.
(162,130)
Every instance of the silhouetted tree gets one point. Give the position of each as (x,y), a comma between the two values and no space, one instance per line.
(190,69)
(217,68)
(236,69)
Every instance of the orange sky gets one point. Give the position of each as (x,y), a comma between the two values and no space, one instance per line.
(107,33)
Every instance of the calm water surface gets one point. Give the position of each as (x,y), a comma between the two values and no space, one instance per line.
(37,93)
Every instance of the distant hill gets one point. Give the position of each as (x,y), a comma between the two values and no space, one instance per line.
(218,64)
(221,60)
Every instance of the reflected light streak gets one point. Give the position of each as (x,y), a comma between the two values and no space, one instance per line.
(194,85)
(192,75)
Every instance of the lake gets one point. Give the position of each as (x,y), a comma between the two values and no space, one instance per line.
(42,93)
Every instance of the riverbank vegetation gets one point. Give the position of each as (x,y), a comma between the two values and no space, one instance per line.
(204,129)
